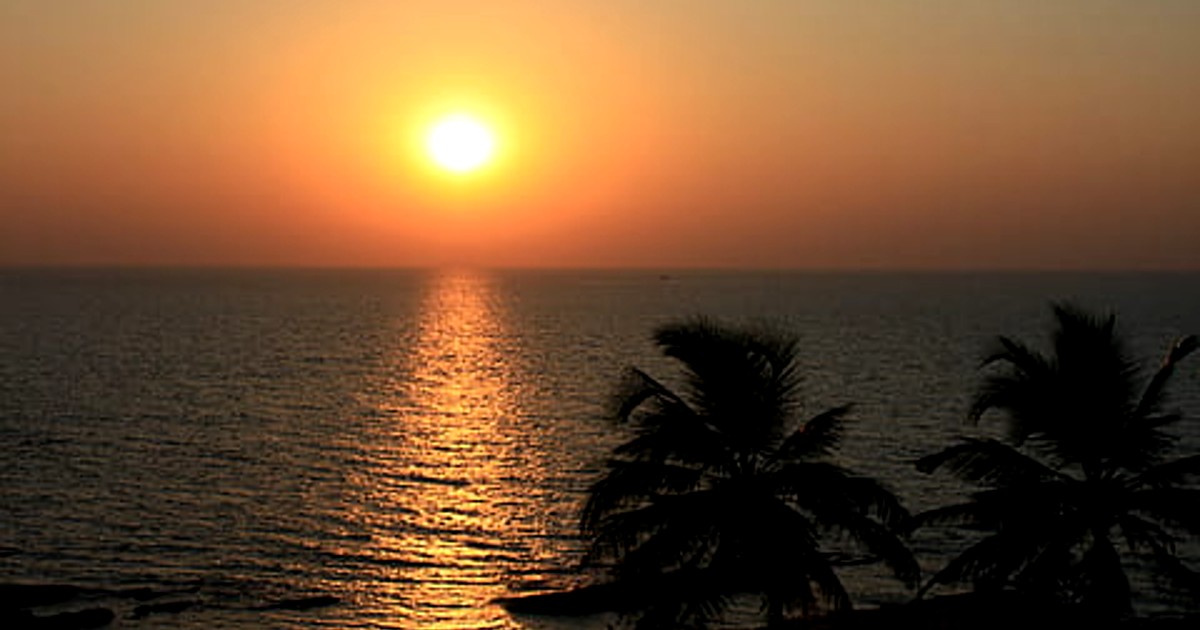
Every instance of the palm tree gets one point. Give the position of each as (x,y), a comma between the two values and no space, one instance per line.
(722,491)
(1086,458)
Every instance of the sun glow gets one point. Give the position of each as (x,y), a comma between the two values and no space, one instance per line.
(460,143)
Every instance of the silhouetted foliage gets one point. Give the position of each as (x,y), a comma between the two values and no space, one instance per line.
(1085,460)
(723,490)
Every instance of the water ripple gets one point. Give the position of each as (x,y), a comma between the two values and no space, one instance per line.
(416,444)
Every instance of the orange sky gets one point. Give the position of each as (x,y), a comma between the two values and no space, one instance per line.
(674,133)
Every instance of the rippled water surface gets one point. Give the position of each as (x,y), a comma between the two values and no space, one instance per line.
(416,443)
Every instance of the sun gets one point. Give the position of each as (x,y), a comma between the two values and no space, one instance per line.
(460,143)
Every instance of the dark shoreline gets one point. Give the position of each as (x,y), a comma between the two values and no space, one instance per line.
(71,607)
(1001,610)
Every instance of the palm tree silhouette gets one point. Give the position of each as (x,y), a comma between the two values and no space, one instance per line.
(722,491)
(1086,457)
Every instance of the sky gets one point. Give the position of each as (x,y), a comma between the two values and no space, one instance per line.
(808,134)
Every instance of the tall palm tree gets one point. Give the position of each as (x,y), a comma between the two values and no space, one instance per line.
(723,491)
(1085,460)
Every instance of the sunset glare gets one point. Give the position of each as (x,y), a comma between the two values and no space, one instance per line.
(759,134)
(460,143)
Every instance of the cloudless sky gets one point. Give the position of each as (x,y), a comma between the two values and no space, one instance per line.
(674,133)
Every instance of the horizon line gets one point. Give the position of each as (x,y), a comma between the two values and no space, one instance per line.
(589,268)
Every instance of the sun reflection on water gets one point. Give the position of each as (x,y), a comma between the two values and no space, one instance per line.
(451,483)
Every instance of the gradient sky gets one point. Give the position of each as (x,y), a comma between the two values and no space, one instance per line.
(956,134)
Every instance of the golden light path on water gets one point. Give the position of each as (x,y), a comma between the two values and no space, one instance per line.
(451,487)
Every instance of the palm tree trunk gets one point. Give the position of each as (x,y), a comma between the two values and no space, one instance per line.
(775,614)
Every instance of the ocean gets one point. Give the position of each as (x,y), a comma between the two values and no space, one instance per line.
(416,443)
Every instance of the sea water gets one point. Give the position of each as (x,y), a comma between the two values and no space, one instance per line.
(418,443)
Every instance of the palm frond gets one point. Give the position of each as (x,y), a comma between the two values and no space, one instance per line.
(1170,473)
(680,599)
(1140,533)
(711,483)
(819,436)
(833,592)
(1027,401)
(1152,398)
(1080,335)
(1173,506)
(884,544)
(1077,410)
(1098,582)
(665,534)
(1002,508)
(1074,407)
(970,515)
(1134,448)
(870,497)
(1023,359)
(630,484)
(798,580)
(988,462)
(991,562)
(1179,576)
(638,388)
(1014,389)
(679,437)
(734,374)
(828,490)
